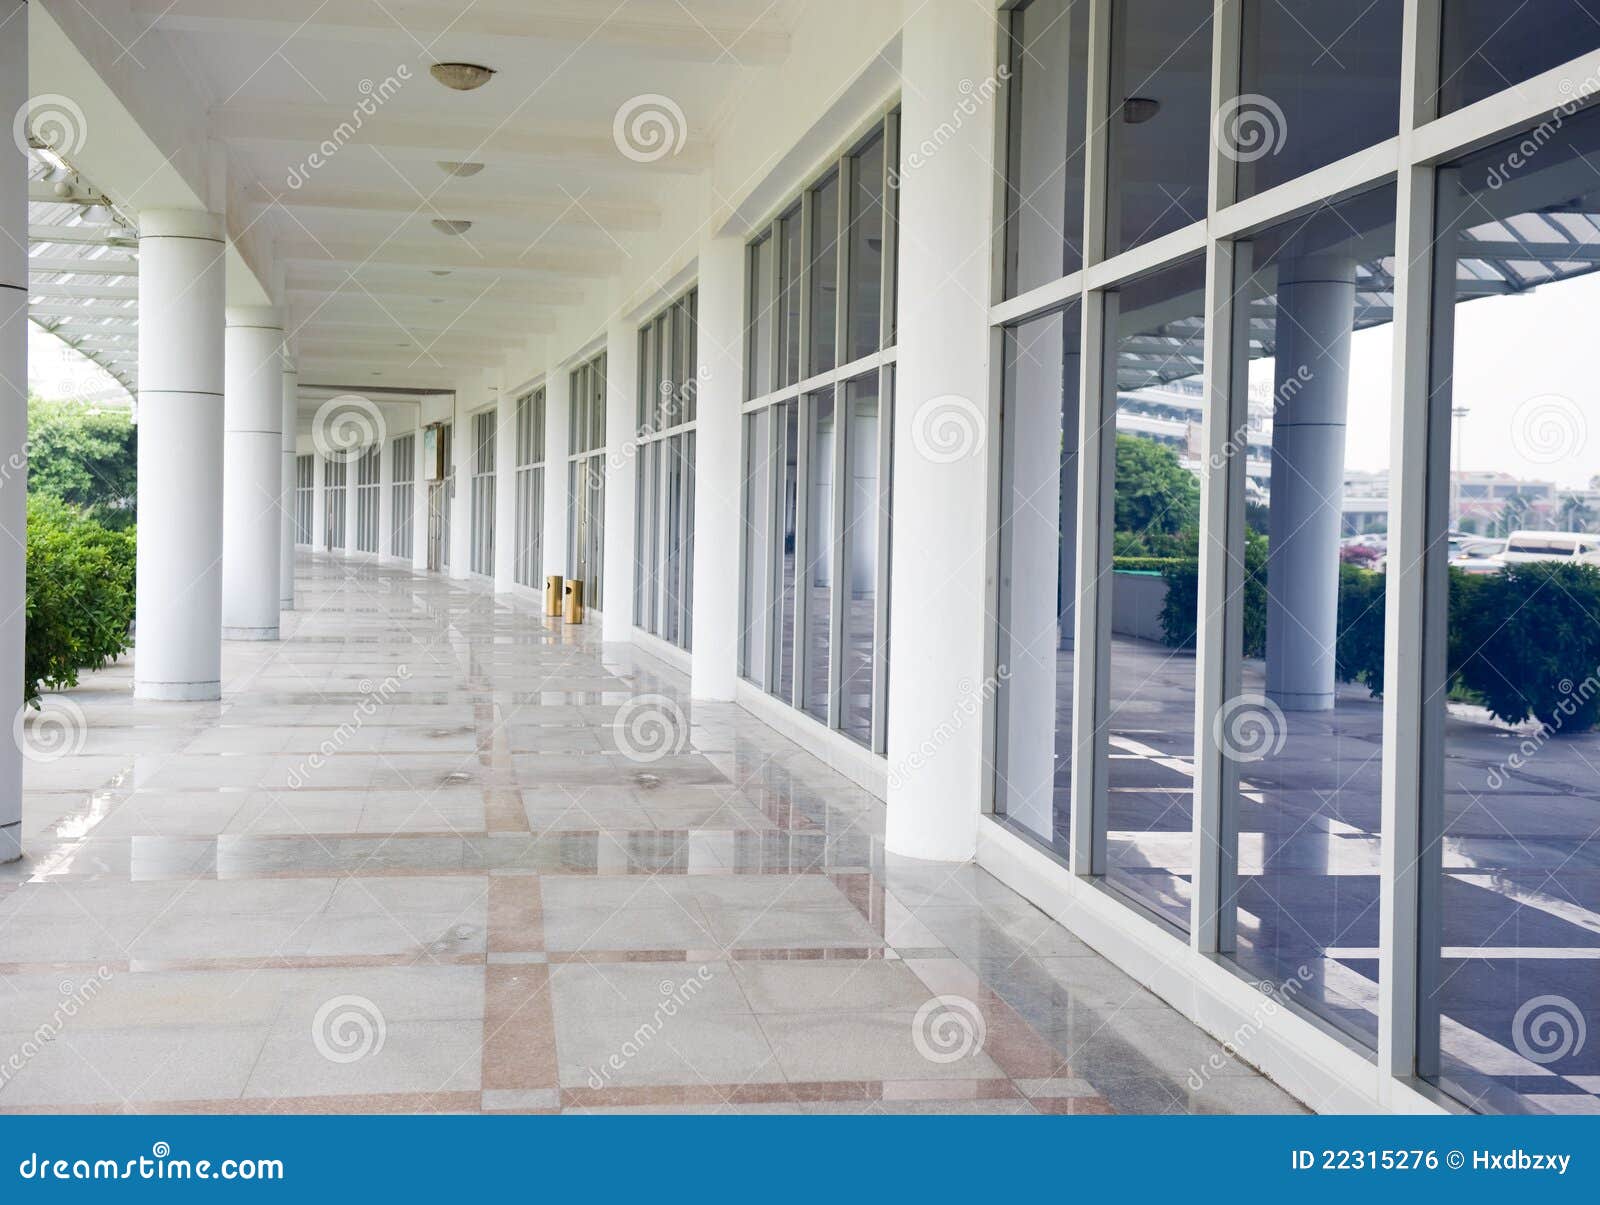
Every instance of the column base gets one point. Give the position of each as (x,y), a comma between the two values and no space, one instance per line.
(177,692)
(249,633)
(1297,701)
(10,842)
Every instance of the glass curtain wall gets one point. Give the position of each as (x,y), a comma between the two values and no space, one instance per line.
(403,495)
(664,515)
(335,472)
(1268,481)
(368,494)
(820,325)
(586,478)
(484,437)
(305,485)
(528,563)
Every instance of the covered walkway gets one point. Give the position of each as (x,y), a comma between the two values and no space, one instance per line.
(432,852)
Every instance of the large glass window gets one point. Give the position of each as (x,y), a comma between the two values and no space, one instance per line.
(1160,140)
(305,487)
(1511,927)
(1488,45)
(335,472)
(1048,61)
(1314,324)
(484,439)
(1318,81)
(664,513)
(528,562)
(586,478)
(403,495)
(816,469)
(368,496)
(1038,574)
(1160,410)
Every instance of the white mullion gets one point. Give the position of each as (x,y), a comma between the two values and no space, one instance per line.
(878,740)
(839,599)
(1037,301)
(1160,252)
(1096,149)
(802,542)
(1506,112)
(889,283)
(1355,173)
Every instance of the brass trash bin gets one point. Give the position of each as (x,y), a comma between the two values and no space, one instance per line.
(552,594)
(574,597)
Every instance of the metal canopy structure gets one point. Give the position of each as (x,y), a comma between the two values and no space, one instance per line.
(82,268)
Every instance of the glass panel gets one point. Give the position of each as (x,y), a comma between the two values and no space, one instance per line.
(688,374)
(866,250)
(1318,81)
(759,354)
(1160,140)
(824,274)
(861,515)
(1305,730)
(1038,583)
(597,404)
(1512,972)
(687,632)
(757,578)
(819,550)
(671,535)
(786,416)
(1049,96)
(1150,715)
(661,381)
(789,295)
(1488,45)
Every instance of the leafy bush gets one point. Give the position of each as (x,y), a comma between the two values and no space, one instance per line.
(1183,593)
(1154,492)
(85,456)
(1526,641)
(1358,652)
(80,595)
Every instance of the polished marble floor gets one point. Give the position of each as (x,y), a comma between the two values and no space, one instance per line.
(434,853)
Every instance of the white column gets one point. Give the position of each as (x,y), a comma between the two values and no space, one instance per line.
(622,473)
(319,501)
(385,489)
(461,491)
(941,431)
(1316,315)
(178,649)
(557,393)
(252,478)
(505,492)
(718,475)
(352,467)
(419,502)
(291,426)
(13,416)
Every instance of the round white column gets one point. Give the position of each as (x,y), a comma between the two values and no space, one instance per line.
(13,416)
(252,498)
(290,421)
(178,649)
(352,469)
(505,492)
(718,477)
(938,616)
(1316,315)
(622,473)
(557,439)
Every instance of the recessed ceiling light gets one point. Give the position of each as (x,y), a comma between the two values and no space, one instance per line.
(452,167)
(451,226)
(1136,110)
(462,77)
(440,271)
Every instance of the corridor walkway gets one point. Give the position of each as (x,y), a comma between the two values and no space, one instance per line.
(460,859)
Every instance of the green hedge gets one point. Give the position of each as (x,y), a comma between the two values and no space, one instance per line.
(80,595)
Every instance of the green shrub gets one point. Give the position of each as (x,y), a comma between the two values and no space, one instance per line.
(1146,564)
(1526,641)
(1358,653)
(80,595)
(1183,592)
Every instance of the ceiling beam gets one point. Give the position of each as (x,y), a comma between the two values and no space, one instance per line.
(536,211)
(667,32)
(47,310)
(82,236)
(111,265)
(457,255)
(58,288)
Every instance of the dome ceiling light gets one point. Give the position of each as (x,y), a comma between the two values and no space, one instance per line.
(452,226)
(462,170)
(1136,110)
(462,77)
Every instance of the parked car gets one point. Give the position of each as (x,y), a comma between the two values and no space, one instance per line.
(1475,554)
(1526,547)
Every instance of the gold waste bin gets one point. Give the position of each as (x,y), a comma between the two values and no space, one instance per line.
(552,594)
(574,597)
